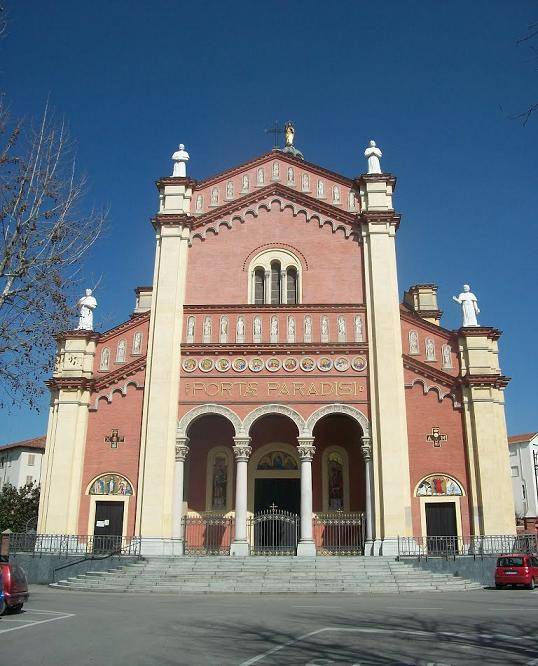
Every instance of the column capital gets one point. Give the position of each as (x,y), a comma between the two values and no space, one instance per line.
(306,451)
(182,448)
(305,440)
(242,448)
(366,448)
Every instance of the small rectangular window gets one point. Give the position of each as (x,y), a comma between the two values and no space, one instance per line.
(515,471)
(29,479)
(31,459)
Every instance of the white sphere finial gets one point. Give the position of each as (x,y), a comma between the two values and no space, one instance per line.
(372,153)
(180,159)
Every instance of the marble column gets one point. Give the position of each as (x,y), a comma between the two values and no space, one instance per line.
(182,450)
(242,451)
(268,287)
(366,449)
(283,286)
(306,450)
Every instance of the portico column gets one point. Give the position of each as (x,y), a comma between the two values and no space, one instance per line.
(242,451)
(306,450)
(366,449)
(182,450)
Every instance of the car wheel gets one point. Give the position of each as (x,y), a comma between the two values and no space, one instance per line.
(498,586)
(531,585)
(15,609)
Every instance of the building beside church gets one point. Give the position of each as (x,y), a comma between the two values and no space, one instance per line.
(20,462)
(271,367)
(524,470)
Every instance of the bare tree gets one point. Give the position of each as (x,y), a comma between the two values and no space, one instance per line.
(530,40)
(45,235)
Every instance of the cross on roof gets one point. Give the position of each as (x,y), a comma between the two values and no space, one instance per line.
(114,438)
(276,130)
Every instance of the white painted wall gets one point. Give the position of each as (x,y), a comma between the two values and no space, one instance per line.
(524,477)
(15,467)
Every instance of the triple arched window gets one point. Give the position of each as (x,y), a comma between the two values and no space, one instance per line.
(275,278)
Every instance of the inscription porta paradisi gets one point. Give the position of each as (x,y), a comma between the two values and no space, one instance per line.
(291,389)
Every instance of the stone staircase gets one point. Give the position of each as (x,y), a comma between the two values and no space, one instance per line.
(267,575)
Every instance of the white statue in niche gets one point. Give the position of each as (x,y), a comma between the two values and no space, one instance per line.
(373,154)
(291,329)
(206,330)
(430,349)
(341,325)
(324,329)
(257,329)
(229,190)
(180,159)
(137,343)
(447,356)
(321,189)
(260,176)
(291,176)
(469,306)
(240,330)
(190,329)
(199,203)
(358,328)
(274,329)
(413,343)
(105,359)
(351,200)
(305,181)
(223,329)
(246,184)
(276,170)
(215,196)
(308,328)
(121,351)
(336,194)
(87,305)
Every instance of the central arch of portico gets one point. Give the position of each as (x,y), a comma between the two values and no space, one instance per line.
(242,449)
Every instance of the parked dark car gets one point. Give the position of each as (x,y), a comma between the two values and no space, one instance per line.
(14,586)
(2,602)
(517,569)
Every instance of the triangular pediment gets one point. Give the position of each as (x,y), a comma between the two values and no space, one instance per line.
(263,199)
(274,168)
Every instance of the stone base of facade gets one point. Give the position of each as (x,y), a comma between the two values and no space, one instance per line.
(388,547)
(306,549)
(239,549)
(157,547)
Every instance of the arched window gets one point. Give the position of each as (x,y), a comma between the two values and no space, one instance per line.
(259,286)
(292,285)
(275,283)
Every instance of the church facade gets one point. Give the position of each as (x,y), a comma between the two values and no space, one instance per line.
(272,366)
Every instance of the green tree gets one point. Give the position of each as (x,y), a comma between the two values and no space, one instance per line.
(18,507)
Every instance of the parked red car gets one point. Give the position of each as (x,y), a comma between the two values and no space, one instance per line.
(15,586)
(516,569)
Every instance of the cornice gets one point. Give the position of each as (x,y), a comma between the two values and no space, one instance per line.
(413,317)
(175,180)
(59,383)
(271,155)
(172,220)
(480,332)
(263,193)
(101,382)
(428,371)
(239,349)
(284,308)
(135,320)
(494,381)
(78,333)
(380,217)
(376,178)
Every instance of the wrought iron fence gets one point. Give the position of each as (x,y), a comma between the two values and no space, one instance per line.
(72,544)
(207,534)
(273,532)
(339,533)
(476,546)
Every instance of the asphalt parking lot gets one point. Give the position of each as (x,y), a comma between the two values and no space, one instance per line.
(59,627)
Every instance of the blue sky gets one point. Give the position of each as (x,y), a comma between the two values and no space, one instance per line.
(432,82)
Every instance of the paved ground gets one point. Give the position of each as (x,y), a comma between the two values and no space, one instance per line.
(497,627)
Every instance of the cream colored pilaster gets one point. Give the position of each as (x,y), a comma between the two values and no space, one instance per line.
(155,508)
(492,504)
(387,399)
(66,433)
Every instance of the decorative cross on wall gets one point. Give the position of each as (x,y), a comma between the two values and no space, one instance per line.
(114,439)
(436,436)
(273,507)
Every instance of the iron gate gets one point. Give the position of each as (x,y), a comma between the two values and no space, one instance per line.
(340,533)
(274,532)
(209,534)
